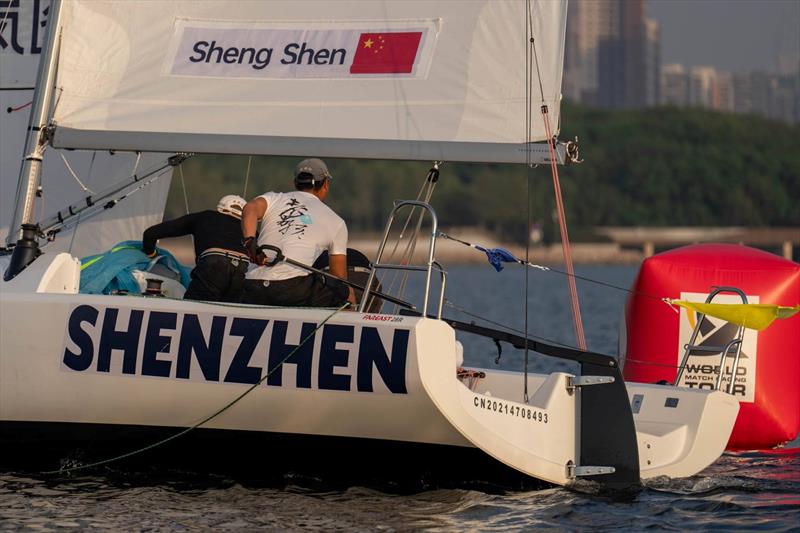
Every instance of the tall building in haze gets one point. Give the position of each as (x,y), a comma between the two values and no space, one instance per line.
(674,85)
(612,54)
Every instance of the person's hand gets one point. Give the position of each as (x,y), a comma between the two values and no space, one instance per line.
(256,256)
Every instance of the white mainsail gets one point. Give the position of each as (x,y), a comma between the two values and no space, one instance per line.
(383,79)
(23,34)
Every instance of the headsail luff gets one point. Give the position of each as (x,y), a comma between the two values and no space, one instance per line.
(207,76)
(96,171)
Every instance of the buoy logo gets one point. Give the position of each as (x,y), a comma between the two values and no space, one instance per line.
(713,335)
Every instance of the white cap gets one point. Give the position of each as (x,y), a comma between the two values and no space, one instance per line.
(231,205)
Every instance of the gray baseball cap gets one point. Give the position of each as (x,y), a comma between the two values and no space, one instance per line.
(313,166)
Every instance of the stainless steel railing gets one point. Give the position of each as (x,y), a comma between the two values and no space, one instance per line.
(427,267)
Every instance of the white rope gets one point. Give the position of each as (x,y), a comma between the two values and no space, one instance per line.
(183,184)
(247,177)
(136,163)
(84,187)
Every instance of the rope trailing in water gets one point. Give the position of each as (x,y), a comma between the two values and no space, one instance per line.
(208,418)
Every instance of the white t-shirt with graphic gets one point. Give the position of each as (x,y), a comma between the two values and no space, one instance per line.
(302,227)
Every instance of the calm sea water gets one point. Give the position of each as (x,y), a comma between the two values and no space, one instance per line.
(746,491)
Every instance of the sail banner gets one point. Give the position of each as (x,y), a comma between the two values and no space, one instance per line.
(300,50)
(397,79)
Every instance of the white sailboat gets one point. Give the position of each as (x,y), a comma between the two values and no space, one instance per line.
(307,78)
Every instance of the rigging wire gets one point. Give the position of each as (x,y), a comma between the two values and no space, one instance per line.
(247,177)
(183,186)
(562,221)
(528,124)
(98,208)
(74,233)
(557,271)
(91,164)
(218,412)
(92,206)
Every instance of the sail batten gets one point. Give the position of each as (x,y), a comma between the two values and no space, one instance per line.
(388,79)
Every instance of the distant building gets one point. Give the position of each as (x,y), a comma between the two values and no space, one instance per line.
(769,95)
(723,95)
(612,54)
(613,59)
(742,93)
(674,85)
(760,89)
(652,63)
(702,84)
(589,23)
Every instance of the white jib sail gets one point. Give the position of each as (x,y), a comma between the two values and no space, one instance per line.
(400,79)
(23,34)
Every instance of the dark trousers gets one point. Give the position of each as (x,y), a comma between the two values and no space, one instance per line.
(217,278)
(302,291)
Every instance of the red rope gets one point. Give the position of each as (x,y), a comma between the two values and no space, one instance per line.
(23,106)
(562,223)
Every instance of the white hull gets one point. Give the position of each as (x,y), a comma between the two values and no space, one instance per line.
(132,361)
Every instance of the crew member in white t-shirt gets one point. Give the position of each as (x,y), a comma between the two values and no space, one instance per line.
(302,226)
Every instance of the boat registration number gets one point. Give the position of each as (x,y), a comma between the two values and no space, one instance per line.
(501,407)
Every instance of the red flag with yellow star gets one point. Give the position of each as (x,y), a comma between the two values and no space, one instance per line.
(386,53)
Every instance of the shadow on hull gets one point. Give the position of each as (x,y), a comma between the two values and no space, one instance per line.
(272,459)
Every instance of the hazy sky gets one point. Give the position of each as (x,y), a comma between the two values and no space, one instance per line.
(735,35)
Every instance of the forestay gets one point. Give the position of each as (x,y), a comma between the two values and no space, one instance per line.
(384,79)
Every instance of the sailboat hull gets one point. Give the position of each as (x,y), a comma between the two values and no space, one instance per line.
(74,367)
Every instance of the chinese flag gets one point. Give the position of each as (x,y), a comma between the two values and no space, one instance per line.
(386,53)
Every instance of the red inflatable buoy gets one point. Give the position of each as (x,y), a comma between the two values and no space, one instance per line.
(766,383)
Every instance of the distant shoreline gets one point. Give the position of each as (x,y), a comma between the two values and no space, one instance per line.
(452,253)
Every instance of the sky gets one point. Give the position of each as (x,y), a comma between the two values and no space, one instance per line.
(733,35)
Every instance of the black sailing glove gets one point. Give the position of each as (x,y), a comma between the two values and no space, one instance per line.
(256,256)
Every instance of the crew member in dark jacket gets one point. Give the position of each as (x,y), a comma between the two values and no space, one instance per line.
(221,259)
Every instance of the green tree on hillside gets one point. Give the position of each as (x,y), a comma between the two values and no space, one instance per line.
(660,166)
